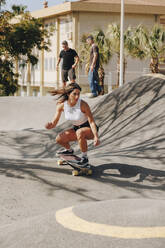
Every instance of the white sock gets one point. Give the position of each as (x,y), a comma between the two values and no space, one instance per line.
(70,149)
(84,154)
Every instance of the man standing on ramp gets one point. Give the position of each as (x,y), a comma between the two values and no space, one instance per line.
(93,76)
(70,61)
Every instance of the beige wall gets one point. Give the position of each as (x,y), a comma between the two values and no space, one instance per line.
(65,33)
(50,58)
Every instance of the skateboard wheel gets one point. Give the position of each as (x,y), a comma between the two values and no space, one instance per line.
(75,173)
(89,172)
(60,162)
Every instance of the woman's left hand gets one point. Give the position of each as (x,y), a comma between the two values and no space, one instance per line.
(96,141)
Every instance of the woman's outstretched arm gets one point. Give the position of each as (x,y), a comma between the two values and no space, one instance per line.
(53,123)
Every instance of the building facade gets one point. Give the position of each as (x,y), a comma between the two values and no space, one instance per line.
(71,21)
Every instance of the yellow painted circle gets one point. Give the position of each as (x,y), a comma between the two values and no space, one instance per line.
(69,220)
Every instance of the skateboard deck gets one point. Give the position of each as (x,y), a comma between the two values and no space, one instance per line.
(77,170)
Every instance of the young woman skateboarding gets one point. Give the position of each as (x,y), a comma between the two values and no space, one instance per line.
(79,114)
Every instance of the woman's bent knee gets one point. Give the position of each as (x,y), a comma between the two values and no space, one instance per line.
(58,139)
(80,134)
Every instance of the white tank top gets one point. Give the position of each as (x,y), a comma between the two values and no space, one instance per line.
(74,114)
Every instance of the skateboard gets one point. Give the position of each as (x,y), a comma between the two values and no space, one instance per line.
(77,170)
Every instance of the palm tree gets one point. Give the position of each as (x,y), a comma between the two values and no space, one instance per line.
(84,52)
(153,44)
(2,2)
(134,44)
(104,52)
(18,9)
(113,34)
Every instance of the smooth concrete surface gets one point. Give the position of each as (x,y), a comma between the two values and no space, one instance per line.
(40,202)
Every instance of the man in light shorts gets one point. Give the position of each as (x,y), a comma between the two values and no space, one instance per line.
(70,61)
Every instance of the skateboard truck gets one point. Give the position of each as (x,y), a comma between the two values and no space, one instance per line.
(77,170)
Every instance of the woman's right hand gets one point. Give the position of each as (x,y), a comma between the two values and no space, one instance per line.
(96,141)
(49,125)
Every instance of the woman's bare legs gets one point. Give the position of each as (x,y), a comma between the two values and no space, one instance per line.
(81,135)
(65,137)
(84,134)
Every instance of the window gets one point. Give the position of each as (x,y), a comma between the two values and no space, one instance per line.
(54,60)
(46,64)
(50,64)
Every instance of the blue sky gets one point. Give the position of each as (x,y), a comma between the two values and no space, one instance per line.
(32,4)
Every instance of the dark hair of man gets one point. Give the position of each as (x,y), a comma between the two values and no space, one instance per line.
(64,92)
(90,37)
(64,42)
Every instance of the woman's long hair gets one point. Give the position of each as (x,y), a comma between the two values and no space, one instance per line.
(64,92)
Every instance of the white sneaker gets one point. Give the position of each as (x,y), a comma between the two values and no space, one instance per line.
(90,95)
(64,152)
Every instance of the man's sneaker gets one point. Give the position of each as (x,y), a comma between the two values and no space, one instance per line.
(90,95)
(65,152)
(83,162)
(101,92)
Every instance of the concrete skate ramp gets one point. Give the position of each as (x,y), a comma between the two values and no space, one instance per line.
(131,121)
(36,194)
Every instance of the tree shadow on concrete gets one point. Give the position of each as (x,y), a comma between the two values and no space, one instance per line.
(134,112)
(132,99)
(132,177)
(26,170)
(132,124)
(31,143)
(142,178)
(132,121)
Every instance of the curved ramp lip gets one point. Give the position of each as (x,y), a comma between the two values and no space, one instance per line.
(69,220)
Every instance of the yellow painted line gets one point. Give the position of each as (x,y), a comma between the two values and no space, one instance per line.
(69,220)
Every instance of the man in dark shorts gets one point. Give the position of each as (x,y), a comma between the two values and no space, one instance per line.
(93,76)
(70,61)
